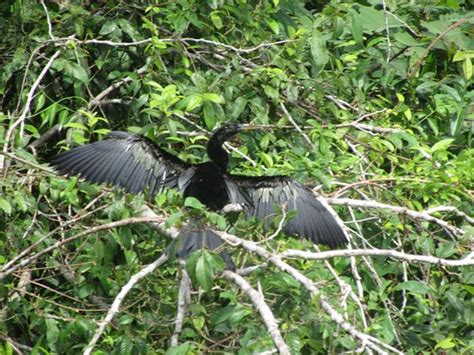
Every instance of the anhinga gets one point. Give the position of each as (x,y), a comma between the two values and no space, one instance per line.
(136,164)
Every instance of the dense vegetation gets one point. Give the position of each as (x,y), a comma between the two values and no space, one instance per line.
(371,104)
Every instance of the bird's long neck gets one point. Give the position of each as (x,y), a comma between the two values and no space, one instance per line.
(216,152)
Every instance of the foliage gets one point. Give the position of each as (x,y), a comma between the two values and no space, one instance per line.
(383,91)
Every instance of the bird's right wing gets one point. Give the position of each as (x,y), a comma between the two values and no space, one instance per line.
(125,160)
(259,195)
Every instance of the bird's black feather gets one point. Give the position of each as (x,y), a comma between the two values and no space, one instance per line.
(125,160)
(259,196)
(136,164)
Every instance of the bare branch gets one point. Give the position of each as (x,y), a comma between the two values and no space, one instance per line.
(414,214)
(387,30)
(188,39)
(369,341)
(15,345)
(450,209)
(298,128)
(26,109)
(184,298)
(48,20)
(414,68)
(292,253)
(62,242)
(114,309)
(369,128)
(96,100)
(261,306)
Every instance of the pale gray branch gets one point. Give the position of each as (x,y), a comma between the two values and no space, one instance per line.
(26,109)
(371,342)
(114,309)
(292,253)
(298,128)
(262,307)
(184,298)
(424,215)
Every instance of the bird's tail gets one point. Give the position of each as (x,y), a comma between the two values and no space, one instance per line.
(194,237)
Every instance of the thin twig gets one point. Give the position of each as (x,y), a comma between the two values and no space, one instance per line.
(262,307)
(387,30)
(414,214)
(413,70)
(184,298)
(188,39)
(371,342)
(298,128)
(15,345)
(26,109)
(48,20)
(293,253)
(114,309)
(62,242)
(96,100)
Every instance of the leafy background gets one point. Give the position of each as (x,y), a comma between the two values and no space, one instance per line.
(382,91)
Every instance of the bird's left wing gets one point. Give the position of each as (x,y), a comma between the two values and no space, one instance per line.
(259,196)
(125,160)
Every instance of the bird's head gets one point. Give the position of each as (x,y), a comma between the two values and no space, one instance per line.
(222,134)
(227,130)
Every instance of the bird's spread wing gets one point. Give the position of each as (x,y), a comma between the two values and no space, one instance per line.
(260,195)
(125,160)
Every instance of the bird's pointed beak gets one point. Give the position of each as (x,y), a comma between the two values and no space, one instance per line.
(252,127)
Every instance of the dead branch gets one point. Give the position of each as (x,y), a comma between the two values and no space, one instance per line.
(114,309)
(424,215)
(324,255)
(262,307)
(29,260)
(26,109)
(371,342)
(184,298)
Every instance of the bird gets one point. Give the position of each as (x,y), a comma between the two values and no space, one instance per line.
(136,164)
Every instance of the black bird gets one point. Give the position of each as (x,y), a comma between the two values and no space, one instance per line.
(136,164)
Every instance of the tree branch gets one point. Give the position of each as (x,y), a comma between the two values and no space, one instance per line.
(261,306)
(369,341)
(26,109)
(184,298)
(292,253)
(121,296)
(403,210)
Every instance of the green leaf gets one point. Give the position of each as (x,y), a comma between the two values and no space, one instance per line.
(78,72)
(204,271)
(266,159)
(446,343)
(274,26)
(413,286)
(76,125)
(108,28)
(52,332)
(271,92)
(199,322)
(442,145)
(182,349)
(216,19)
(193,101)
(5,206)
(210,117)
(238,107)
(319,51)
(20,202)
(194,203)
(40,102)
(356,28)
(467,68)
(218,99)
